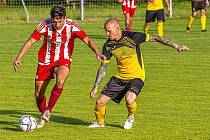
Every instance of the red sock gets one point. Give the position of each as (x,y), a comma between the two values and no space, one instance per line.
(55,94)
(41,104)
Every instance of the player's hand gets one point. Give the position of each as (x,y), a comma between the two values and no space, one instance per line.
(168,11)
(16,64)
(93,93)
(182,48)
(100,57)
(120,1)
(207,3)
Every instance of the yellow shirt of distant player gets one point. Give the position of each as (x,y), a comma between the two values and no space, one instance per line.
(155,5)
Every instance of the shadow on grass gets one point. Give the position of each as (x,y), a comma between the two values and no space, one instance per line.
(113,125)
(12,129)
(13,125)
(67,120)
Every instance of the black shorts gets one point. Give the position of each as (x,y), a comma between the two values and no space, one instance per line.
(198,5)
(152,15)
(116,88)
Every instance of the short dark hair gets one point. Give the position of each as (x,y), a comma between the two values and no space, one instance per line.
(58,11)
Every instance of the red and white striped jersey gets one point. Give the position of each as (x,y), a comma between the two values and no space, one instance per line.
(57,44)
(129,3)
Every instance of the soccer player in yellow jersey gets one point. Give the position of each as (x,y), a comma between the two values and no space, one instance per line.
(130,75)
(155,10)
(198,5)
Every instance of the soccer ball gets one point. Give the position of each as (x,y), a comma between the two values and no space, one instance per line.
(27,123)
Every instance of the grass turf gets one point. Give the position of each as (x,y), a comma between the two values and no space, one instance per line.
(174,103)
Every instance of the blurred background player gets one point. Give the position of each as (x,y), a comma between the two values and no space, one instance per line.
(198,5)
(155,10)
(129,8)
(129,78)
(54,56)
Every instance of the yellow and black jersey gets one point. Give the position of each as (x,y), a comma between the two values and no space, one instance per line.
(127,52)
(155,5)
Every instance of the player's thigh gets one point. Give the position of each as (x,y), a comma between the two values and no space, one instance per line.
(196,6)
(125,9)
(133,89)
(160,15)
(61,73)
(44,72)
(150,16)
(115,89)
(132,11)
(202,5)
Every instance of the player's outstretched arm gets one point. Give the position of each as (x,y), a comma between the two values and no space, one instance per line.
(120,1)
(168,42)
(100,75)
(168,6)
(23,51)
(93,47)
(207,3)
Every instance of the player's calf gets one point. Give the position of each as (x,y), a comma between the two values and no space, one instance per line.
(187,29)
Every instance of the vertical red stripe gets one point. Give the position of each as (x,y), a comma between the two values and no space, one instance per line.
(63,40)
(43,49)
(71,42)
(53,45)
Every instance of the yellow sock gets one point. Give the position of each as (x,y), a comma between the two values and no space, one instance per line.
(131,108)
(191,19)
(160,28)
(146,28)
(100,112)
(203,22)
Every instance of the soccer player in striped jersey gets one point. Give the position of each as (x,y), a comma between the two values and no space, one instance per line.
(129,8)
(54,57)
(155,10)
(129,78)
(198,5)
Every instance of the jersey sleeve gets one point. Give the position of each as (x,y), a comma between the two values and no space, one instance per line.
(78,32)
(106,52)
(36,35)
(139,37)
(39,31)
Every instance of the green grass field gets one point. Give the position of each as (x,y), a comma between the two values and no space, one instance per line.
(173,105)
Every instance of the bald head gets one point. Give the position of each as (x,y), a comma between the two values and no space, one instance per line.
(112,28)
(113,22)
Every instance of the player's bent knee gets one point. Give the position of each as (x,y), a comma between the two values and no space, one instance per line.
(38,95)
(60,83)
(100,102)
(130,97)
